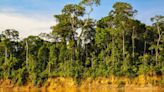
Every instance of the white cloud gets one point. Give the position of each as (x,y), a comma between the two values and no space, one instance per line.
(25,24)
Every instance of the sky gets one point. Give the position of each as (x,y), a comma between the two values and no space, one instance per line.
(31,17)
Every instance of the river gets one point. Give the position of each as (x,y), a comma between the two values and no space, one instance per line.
(88,90)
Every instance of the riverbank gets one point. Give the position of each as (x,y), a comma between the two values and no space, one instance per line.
(60,83)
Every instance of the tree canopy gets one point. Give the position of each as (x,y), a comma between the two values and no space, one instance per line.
(81,47)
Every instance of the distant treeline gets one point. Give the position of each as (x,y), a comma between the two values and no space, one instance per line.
(80,47)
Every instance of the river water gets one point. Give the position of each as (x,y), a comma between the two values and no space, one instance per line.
(87,90)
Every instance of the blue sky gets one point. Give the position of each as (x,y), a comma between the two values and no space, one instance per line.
(38,14)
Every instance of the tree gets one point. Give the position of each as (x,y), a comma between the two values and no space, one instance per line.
(122,13)
(74,11)
(7,36)
(53,58)
(89,2)
(63,28)
(9,40)
(43,58)
(159,24)
(31,45)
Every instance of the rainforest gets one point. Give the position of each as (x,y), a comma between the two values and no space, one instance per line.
(116,50)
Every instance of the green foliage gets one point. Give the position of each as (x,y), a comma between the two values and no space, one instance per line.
(20,76)
(102,38)
(115,45)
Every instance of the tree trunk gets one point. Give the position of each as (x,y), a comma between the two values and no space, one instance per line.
(133,44)
(123,41)
(123,47)
(113,52)
(26,55)
(156,52)
(73,49)
(73,39)
(158,41)
(157,48)
(145,47)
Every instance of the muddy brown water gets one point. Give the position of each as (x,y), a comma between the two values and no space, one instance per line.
(88,90)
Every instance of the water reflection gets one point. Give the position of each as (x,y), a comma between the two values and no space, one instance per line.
(84,90)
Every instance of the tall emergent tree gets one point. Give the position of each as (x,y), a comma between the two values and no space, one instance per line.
(159,26)
(122,13)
